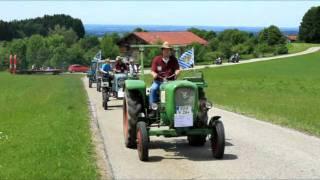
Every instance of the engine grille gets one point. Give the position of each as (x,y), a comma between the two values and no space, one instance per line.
(185,97)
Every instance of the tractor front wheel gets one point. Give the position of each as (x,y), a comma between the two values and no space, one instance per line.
(217,139)
(142,141)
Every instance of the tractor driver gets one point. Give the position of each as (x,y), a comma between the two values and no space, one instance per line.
(164,66)
(105,69)
(120,66)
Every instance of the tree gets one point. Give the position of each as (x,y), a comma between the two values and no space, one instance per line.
(109,48)
(139,29)
(89,42)
(60,56)
(233,36)
(213,44)
(34,43)
(40,25)
(207,35)
(199,52)
(272,36)
(69,36)
(211,56)
(18,47)
(262,49)
(225,48)
(75,55)
(309,30)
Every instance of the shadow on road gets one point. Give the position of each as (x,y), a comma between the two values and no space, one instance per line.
(182,150)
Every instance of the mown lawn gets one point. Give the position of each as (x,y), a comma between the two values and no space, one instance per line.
(298,47)
(44,128)
(283,91)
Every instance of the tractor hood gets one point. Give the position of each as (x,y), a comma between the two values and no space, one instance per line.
(176,94)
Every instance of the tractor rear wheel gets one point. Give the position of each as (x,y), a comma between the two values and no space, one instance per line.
(142,141)
(197,140)
(132,105)
(98,85)
(217,139)
(90,83)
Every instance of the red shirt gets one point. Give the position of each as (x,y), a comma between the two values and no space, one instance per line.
(164,69)
(121,67)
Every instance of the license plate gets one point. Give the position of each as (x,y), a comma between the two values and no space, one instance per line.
(183,120)
(105,84)
(183,110)
(120,93)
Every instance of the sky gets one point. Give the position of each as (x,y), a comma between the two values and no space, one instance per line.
(203,13)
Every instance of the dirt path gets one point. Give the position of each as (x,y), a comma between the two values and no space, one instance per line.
(254,149)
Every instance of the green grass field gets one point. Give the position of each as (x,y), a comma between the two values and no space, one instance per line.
(298,47)
(44,128)
(284,91)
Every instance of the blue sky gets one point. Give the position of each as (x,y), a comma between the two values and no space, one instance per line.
(207,13)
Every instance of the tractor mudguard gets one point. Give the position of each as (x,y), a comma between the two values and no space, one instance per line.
(213,120)
(136,85)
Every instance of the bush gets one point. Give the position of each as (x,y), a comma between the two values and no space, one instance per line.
(211,56)
(281,49)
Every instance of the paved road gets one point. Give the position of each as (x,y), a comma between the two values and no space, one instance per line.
(254,149)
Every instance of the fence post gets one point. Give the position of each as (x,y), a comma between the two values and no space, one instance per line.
(10,66)
(14,64)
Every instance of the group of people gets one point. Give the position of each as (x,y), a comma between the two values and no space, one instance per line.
(235,58)
(120,66)
(164,67)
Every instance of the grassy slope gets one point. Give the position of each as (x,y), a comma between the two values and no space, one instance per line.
(284,91)
(298,47)
(45,128)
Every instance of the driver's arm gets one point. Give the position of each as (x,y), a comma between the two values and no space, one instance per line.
(154,74)
(177,72)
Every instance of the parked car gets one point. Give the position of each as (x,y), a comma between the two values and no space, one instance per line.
(78,68)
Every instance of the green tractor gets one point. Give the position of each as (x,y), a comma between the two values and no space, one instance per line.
(182,111)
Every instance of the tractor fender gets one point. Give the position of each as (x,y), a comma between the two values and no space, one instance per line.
(136,86)
(213,120)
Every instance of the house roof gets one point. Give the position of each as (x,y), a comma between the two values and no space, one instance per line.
(292,37)
(173,38)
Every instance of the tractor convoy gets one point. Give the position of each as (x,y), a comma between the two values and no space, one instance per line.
(182,109)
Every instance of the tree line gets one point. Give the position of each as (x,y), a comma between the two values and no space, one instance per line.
(41,25)
(60,48)
(269,41)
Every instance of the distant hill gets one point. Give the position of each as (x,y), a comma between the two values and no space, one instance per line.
(39,25)
(100,30)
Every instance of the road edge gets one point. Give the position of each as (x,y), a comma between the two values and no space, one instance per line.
(101,155)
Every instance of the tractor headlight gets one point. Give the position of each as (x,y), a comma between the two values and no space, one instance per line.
(154,106)
(208,105)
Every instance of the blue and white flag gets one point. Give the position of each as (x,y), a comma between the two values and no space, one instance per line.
(98,57)
(187,59)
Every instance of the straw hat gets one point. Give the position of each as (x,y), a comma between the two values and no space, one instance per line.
(118,58)
(166,45)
